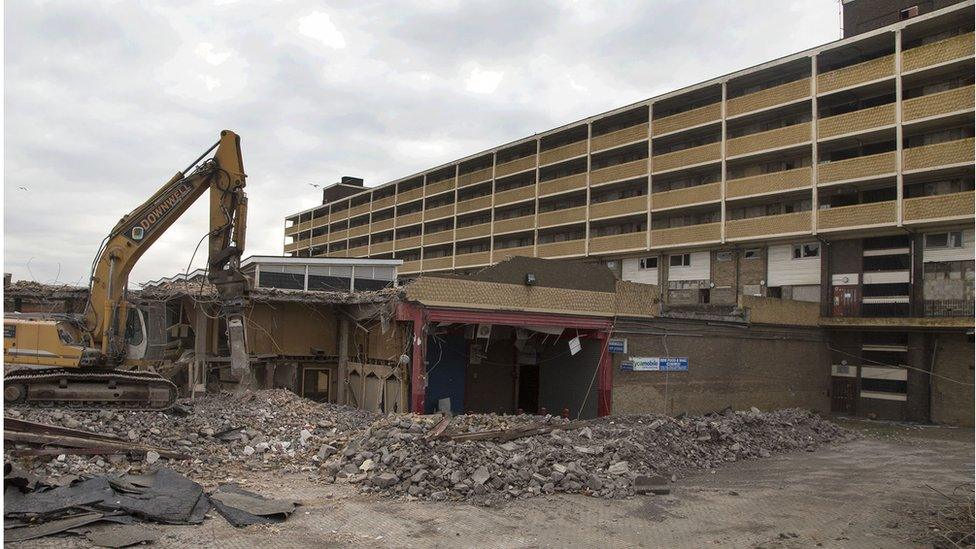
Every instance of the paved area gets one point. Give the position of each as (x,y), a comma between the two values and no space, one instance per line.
(853,494)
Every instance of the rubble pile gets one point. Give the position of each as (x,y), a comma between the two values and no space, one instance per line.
(269,429)
(604,458)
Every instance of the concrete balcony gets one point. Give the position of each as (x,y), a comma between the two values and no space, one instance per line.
(936,53)
(295,246)
(474,177)
(562,217)
(359,251)
(505,253)
(361,230)
(692,234)
(857,216)
(305,226)
(937,104)
(319,240)
(439,212)
(846,77)
(619,137)
(336,236)
(409,267)
(618,172)
(701,194)
(564,152)
(339,216)
(515,224)
(438,264)
(862,167)
(439,237)
(943,207)
(616,208)
(359,210)
(409,219)
(768,183)
(515,195)
(856,122)
(385,202)
(768,225)
(618,243)
(408,243)
(409,196)
(380,226)
(474,204)
(471,260)
(515,166)
(340,253)
(769,97)
(294,229)
(687,157)
(772,139)
(949,153)
(562,249)
(320,221)
(688,119)
(381,247)
(563,184)
(439,187)
(474,231)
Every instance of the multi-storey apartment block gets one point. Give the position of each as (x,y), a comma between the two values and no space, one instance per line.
(843,174)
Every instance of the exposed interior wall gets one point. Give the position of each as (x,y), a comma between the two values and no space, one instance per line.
(952,402)
(291,329)
(564,379)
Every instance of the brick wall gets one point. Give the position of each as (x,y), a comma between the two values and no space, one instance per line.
(953,403)
(723,276)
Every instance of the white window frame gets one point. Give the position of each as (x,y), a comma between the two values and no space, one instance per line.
(642,263)
(803,251)
(685,260)
(953,239)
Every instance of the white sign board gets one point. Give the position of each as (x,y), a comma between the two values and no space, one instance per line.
(575,346)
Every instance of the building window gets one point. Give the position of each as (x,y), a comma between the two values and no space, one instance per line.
(908,13)
(723,256)
(806,251)
(944,240)
(681,260)
(752,253)
(647,263)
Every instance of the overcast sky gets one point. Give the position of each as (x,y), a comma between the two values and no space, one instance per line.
(105,101)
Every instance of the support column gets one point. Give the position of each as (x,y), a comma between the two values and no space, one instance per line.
(196,376)
(343,354)
(604,377)
(418,375)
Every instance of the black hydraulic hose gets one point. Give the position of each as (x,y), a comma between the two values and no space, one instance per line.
(205,153)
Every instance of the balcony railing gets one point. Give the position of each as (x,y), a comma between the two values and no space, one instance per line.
(562,217)
(692,234)
(515,224)
(699,194)
(845,77)
(618,242)
(407,243)
(359,251)
(635,168)
(564,152)
(384,202)
(926,106)
(687,119)
(515,166)
(410,267)
(335,236)
(474,204)
(409,196)
(515,195)
(504,253)
(615,208)
(438,263)
(359,210)
(294,229)
(473,231)
(339,215)
(619,137)
(380,226)
(563,184)
(319,240)
(935,53)
(687,157)
(361,230)
(772,139)
(320,221)
(857,121)
(474,177)
(381,247)
(439,187)
(768,183)
(940,207)
(768,225)
(777,95)
(439,212)
(861,167)
(305,226)
(859,215)
(439,237)
(409,219)
(562,249)
(295,246)
(470,260)
(959,151)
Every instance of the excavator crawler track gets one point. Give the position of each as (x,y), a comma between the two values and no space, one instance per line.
(88,389)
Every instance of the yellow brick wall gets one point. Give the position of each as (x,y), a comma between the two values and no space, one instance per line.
(619,137)
(446,210)
(411,219)
(636,299)
(514,195)
(438,237)
(620,171)
(473,231)
(381,247)
(768,225)
(358,251)
(562,153)
(687,157)
(474,177)
(857,216)
(380,226)
(410,267)
(467,260)
(882,115)
(770,310)
(407,243)
(440,186)
(780,137)
(783,93)
(381,203)
(338,235)
(568,183)
(938,207)
(687,119)
(854,168)
(515,224)
(409,196)
(359,210)
(867,71)
(618,242)
(359,231)
(689,195)
(435,291)
(558,217)
(937,52)
(938,103)
(768,183)
(438,263)
(474,204)
(514,166)
(707,232)
(626,206)
(940,154)
(559,249)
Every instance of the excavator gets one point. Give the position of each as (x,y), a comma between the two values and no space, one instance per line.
(92,361)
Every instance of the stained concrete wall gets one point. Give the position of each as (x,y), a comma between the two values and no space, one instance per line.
(728,366)
(953,401)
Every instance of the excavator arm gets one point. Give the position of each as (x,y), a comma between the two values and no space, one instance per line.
(223,175)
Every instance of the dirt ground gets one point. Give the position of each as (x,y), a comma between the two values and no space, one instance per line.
(853,494)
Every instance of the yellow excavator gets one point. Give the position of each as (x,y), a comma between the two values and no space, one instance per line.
(93,361)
